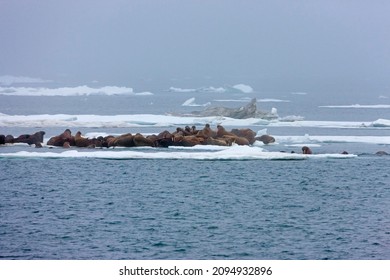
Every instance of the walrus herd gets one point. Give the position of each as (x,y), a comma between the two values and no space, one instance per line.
(187,137)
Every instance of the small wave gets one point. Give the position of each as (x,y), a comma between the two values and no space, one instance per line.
(70,91)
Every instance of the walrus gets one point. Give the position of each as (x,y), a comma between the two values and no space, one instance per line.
(221,131)
(30,139)
(9,139)
(246,133)
(108,141)
(236,139)
(194,130)
(206,132)
(266,139)
(218,141)
(141,141)
(306,150)
(187,141)
(81,141)
(61,139)
(124,140)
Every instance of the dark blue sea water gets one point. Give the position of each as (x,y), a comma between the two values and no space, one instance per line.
(90,208)
(189,209)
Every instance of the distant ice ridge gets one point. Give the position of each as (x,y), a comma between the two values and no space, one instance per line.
(232,153)
(70,91)
(239,87)
(8,80)
(150,120)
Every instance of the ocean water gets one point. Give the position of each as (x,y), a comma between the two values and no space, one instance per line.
(259,202)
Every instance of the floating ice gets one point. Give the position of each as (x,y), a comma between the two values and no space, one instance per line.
(191,102)
(70,91)
(358,106)
(8,80)
(232,153)
(243,88)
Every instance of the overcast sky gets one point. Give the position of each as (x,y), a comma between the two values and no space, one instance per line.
(205,42)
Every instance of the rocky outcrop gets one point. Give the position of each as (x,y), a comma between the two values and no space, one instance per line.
(248,111)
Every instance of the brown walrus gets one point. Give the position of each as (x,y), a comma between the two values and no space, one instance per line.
(30,139)
(246,133)
(164,139)
(187,141)
(124,140)
(266,139)
(141,141)
(306,150)
(218,141)
(61,139)
(236,139)
(81,141)
(206,132)
(222,133)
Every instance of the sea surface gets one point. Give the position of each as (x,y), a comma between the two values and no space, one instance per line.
(258,202)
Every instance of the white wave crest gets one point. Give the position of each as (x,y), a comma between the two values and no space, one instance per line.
(69,91)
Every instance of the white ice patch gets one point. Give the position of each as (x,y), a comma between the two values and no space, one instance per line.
(191,102)
(243,88)
(151,120)
(70,91)
(358,106)
(232,153)
(8,80)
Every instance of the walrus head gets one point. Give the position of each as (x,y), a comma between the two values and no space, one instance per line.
(306,150)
